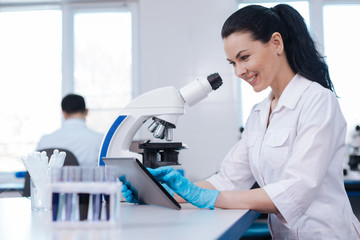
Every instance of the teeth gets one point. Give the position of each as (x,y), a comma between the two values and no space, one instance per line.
(251,79)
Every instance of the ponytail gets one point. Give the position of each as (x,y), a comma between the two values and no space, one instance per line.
(299,47)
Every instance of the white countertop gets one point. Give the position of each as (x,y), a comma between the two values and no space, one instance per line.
(17,221)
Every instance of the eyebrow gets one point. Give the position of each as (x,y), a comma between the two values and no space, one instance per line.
(237,55)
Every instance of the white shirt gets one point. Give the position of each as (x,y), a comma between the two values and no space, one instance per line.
(298,161)
(76,137)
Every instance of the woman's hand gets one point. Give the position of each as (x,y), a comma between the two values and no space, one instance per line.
(202,198)
(128,193)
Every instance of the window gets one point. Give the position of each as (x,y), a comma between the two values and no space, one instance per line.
(342,37)
(30,60)
(247,97)
(51,49)
(102,64)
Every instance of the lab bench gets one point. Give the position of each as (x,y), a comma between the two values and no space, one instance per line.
(18,221)
(352,188)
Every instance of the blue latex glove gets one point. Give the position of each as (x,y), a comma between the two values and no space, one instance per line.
(171,192)
(128,193)
(200,197)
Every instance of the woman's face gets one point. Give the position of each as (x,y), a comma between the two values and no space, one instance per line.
(253,61)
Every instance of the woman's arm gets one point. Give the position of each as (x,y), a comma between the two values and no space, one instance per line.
(204,195)
(254,199)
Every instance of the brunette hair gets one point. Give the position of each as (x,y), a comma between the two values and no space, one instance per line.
(300,49)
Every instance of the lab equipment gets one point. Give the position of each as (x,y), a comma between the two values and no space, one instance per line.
(160,154)
(38,166)
(97,197)
(86,175)
(85,197)
(144,187)
(163,106)
(71,175)
(200,197)
(39,194)
(354,149)
(69,159)
(351,166)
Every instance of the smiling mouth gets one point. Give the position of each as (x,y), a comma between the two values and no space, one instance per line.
(250,80)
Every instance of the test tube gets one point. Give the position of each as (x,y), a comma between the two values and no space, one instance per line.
(99,176)
(71,174)
(107,196)
(111,202)
(60,215)
(87,175)
(56,176)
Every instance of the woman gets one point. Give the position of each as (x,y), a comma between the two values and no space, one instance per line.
(294,141)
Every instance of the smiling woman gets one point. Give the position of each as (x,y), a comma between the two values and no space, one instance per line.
(255,62)
(293,142)
(247,96)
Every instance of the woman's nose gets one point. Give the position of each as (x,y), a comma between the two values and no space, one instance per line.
(240,71)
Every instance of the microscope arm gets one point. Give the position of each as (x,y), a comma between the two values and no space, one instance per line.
(169,106)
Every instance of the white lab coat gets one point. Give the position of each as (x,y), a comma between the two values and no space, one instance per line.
(298,161)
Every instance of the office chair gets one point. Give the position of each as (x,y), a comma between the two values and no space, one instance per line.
(70,160)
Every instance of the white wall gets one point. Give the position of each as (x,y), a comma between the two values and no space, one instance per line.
(180,41)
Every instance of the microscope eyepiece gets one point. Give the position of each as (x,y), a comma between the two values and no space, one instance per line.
(215,80)
(197,90)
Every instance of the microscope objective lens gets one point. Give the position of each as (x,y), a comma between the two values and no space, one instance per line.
(160,131)
(153,126)
(169,134)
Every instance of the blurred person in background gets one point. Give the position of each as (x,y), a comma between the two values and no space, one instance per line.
(74,135)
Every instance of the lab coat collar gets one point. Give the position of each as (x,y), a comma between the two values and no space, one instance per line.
(263,108)
(265,104)
(293,92)
(289,97)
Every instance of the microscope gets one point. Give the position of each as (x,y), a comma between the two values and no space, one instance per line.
(163,106)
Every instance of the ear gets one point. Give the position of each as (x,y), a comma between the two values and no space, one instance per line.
(86,112)
(277,42)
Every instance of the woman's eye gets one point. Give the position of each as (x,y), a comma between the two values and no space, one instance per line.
(232,63)
(245,57)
